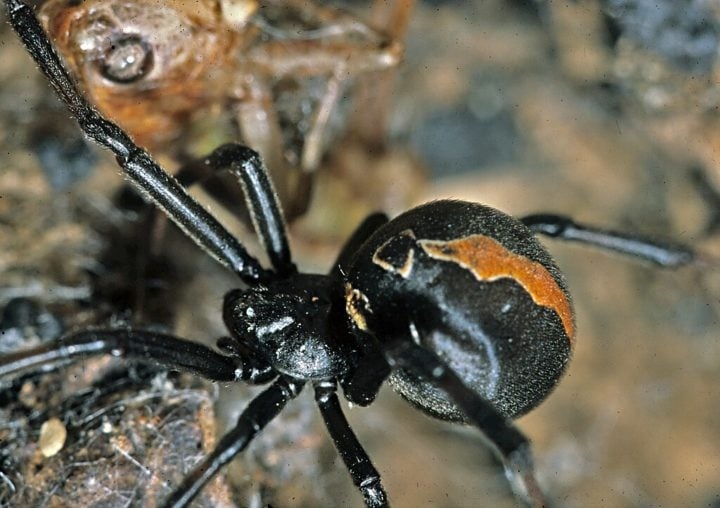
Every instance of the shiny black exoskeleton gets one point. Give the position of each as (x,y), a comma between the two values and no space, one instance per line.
(455,303)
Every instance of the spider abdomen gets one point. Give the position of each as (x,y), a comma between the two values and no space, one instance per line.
(478,290)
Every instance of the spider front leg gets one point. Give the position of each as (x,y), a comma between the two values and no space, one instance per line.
(259,125)
(261,411)
(260,197)
(136,164)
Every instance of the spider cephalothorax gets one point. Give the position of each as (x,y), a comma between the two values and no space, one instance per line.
(290,324)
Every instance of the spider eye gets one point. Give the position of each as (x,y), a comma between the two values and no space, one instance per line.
(127,59)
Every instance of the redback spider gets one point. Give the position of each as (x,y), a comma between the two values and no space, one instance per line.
(456,304)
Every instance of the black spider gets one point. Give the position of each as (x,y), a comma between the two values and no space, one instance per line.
(455,303)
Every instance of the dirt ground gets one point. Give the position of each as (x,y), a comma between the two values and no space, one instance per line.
(523,106)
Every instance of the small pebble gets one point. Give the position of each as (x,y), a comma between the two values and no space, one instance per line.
(52,437)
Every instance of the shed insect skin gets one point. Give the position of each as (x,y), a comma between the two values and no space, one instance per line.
(156,68)
(464,336)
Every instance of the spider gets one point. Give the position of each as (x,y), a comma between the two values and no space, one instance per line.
(455,304)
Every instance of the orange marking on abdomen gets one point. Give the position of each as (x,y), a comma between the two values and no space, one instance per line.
(488,260)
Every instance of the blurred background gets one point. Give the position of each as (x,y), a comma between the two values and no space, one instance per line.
(606,111)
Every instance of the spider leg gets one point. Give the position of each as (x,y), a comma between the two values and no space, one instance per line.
(137,165)
(514,448)
(260,197)
(664,254)
(163,349)
(261,411)
(364,475)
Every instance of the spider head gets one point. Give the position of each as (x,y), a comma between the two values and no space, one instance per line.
(289,323)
